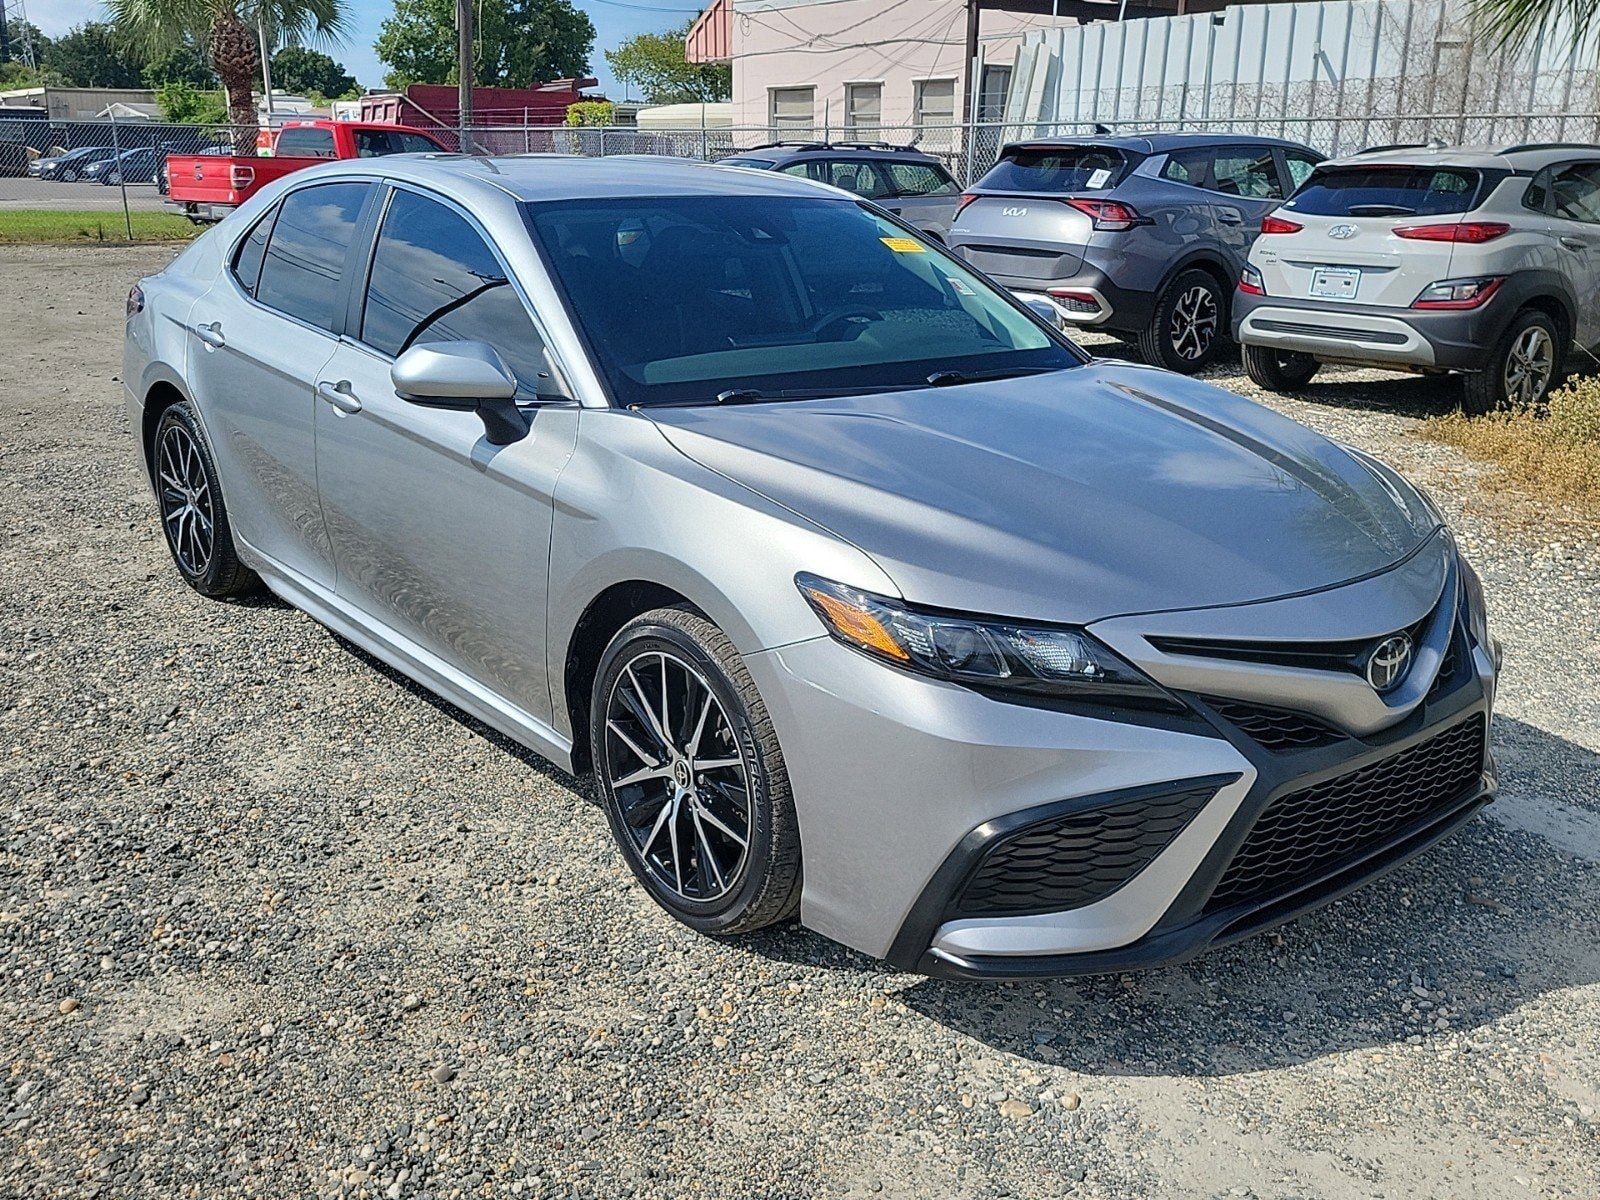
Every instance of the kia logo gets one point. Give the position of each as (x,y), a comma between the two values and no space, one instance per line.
(1386,665)
(1341,232)
(1015,212)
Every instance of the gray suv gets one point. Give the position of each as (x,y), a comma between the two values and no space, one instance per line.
(912,185)
(1140,236)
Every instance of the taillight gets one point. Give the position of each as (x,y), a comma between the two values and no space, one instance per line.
(966,199)
(1463,231)
(1075,300)
(1270,224)
(1108,215)
(135,304)
(240,177)
(1458,293)
(1250,282)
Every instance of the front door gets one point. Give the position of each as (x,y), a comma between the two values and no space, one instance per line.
(439,535)
(257,343)
(1574,208)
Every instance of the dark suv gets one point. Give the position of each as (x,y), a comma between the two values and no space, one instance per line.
(913,185)
(1138,235)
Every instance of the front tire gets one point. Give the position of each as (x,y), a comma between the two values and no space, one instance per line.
(1521,370)
(193,516)
(70,175)
(1186,329)
(1279,370)
(691,776)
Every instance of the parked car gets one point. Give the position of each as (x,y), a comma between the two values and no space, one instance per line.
(864,592)
(69,167)
(1480,262)
(138,165)
(218,151)
(914,186)
(206,187)
(1141,236)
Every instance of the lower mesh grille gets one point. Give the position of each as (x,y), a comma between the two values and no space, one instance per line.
(1069,861)
(1301,833)
(1275,728)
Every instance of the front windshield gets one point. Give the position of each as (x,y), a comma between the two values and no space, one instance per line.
(682,299)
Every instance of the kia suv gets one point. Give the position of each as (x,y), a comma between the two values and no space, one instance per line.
(912,185)
(1433,259)
(1139,236)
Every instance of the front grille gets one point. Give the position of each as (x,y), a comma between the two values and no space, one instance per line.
(1069,861)
(1303,832)
(1275,729)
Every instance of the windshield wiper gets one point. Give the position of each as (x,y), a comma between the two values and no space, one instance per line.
(756,396)
(951,378)
(1380,210)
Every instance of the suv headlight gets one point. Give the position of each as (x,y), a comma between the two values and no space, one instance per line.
(1477,608)
(976,651)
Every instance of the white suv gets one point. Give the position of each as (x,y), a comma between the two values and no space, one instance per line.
(1483,262)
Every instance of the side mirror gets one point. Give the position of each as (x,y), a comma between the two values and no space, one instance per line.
(463,377)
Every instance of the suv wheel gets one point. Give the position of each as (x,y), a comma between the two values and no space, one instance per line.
(691,776)
(1279,370)
(1188,323)
(192,514)
(1521,370)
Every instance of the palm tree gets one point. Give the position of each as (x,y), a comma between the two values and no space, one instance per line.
(1512,24)
(229,28)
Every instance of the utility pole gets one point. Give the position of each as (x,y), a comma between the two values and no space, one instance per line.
(464,72)
(266,64)
(969,95)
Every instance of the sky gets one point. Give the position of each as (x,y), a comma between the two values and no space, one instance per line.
(614,22)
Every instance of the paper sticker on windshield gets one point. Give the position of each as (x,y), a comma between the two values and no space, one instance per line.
(961,286)
(1098,179)
(903,245)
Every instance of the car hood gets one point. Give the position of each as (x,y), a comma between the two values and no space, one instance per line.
(1097,491)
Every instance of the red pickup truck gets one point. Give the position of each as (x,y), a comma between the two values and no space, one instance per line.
(207,187)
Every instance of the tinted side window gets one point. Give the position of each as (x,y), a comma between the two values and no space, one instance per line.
(1250,173)
(306,143)
(920,179)
(1187,166)
(1575,193)
(252,250)
(434,279)
(859,176)
(305,256)
(375,143)
(1300,165)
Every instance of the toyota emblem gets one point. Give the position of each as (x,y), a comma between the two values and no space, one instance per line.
(1342,232)
(1386,665)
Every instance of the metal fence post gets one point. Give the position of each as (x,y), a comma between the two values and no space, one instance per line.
(122,182)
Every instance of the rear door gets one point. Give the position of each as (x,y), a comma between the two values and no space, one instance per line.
(923,194)
(1245,186)
(1338,243)
(1573,207)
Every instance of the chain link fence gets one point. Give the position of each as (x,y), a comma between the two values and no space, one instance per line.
(120,166)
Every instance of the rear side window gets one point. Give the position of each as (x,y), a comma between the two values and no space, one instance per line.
(434,279)
(1249,173)
(1187,166)
(1056,169)
(859,176)
(921,179)
(1356,191)
(375,143)
(306,143)
(252,250)
(1575,193)
(305,255)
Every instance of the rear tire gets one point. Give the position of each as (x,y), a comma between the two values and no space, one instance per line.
(1279,370)
(1522,369)
(693,782)
(1186,329)
(193,516)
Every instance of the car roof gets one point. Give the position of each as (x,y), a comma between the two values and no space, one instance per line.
(782,151)
(545,177)
(1160,142)
(1526,157)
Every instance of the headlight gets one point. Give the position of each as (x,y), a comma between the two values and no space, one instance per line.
(974,651)
(1476,606)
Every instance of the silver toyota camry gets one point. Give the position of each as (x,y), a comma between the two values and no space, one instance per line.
(867,597)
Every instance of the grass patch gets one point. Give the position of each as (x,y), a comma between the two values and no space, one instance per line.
(22,225)
(1553,453)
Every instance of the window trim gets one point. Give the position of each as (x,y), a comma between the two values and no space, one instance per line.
(919,87)
(850,125)
(357,297)
(791,123)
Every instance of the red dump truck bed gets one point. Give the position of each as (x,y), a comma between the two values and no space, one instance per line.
(207,187)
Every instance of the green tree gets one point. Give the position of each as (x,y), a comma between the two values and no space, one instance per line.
(26,41)
(93,55)
(187,104)
(184,63)
(228,29)
(518,43)
(298,70)
(654,63)
(1513,24)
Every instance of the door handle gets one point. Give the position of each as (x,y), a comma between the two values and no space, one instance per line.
(211,335)
(339,395)
(1572,243)
(1230,218)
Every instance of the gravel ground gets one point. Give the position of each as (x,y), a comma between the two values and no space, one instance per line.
(275,923)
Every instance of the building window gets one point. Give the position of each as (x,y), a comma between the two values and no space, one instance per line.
(936,101)
(992,95)
(863,107)
(794,108)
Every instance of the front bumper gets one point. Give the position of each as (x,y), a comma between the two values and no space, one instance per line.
(908,791)
(1439,339)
